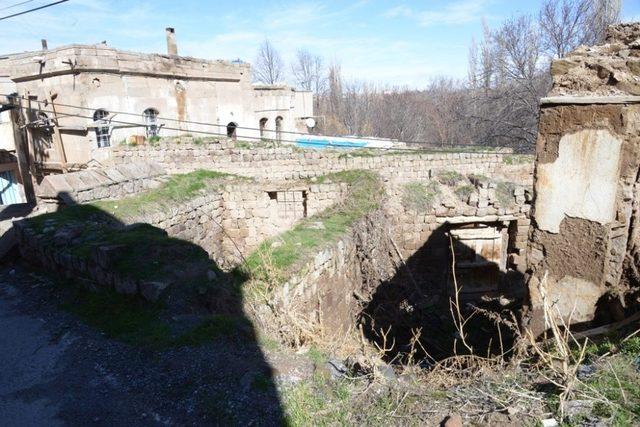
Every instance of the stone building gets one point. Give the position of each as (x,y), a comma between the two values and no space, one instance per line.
(79,100)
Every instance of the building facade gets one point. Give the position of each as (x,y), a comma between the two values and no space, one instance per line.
(80,100)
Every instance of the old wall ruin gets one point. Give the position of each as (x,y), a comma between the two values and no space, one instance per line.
(582,246)
(286,163)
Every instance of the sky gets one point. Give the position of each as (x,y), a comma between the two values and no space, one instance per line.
(390,43)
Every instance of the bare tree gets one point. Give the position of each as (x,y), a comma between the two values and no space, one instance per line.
(269,68)
(562,24)
(308,71)
(472,73)
(567,24)
(603,14)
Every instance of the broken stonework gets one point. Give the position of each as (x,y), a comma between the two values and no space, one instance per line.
(587,183)
(97,184)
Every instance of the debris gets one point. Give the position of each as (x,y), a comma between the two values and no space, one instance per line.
(575,408)
(386,372)
(454,420)
(585,371)
(549,422)
(337,369)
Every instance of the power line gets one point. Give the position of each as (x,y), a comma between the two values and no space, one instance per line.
(17,4)
(304,135)
(260,139)
(33,10)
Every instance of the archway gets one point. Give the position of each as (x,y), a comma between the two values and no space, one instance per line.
(263,126)
(279,121)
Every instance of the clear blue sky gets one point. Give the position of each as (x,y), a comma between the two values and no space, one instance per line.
(387,42)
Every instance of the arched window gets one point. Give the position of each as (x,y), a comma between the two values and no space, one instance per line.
(103,134)
(263,126)
(231,130)
(150,116)
(279,128)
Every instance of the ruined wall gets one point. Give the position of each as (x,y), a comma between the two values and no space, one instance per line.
(229,221)
(286,163)
(326,294)
(586,180)
(110,183)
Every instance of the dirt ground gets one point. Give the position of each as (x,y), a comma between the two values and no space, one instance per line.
(55,370)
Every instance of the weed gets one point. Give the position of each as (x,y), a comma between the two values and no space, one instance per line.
(464,192)
(450,178)
(316,356)
(518,159)
(420,197)
(198,141)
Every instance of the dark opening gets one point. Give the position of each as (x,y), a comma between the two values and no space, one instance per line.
(231,130)
(279,128)
(263,125)
(304,204)
(273,195)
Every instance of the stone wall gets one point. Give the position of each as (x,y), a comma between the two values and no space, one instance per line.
(584,245)
(229,221)
(326,293)
(109,183)
(287,163)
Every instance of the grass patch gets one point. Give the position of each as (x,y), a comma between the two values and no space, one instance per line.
(450,178)
(121,317)
(463,192)
(137,322)
(518,159)
(272,262)
(618,382)
(178,188)
(316,356)
(476,177)
(420,197)
(324,402)
(248,145)
(214,327)
(215,408)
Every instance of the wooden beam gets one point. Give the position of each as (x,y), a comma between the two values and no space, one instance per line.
(22,153)
(56,132)
(591,99)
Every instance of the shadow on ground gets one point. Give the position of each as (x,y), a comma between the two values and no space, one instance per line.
(418,298)
(190,358)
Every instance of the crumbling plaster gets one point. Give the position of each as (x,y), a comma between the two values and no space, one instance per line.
(568,186)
